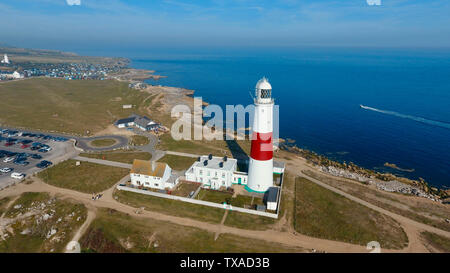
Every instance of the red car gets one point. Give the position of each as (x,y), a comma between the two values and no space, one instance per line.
(24,146)
(9,144)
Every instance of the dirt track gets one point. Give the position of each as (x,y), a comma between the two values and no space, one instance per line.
(411,227)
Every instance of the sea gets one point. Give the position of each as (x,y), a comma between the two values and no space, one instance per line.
(364,105)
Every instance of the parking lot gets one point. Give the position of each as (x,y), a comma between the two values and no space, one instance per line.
(24,151)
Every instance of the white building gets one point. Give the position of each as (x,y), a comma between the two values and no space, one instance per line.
(5,59)
(17,75)
(151,174)
(271,198)
(215,172)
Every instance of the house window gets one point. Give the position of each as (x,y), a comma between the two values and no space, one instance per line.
(223,175)
(156,185)
(209,173)
(201,172)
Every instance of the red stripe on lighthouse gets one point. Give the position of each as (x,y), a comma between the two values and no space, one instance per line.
(262,147)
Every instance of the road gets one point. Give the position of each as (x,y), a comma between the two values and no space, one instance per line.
(84,143)
(103,162)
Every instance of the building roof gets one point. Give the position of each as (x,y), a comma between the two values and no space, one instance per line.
(272,194)
(263,84)
(214,163)
(125,120)
(142,121)
(147,167)
(278,164)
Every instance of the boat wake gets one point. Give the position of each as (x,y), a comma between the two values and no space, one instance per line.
(442,124)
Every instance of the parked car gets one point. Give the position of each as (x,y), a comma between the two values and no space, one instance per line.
(8,159)
(18,175)
(36,156)
(24,146)
(44,164)
(21,162)
(5,170)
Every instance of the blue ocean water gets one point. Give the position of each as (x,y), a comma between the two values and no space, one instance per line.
(320,91)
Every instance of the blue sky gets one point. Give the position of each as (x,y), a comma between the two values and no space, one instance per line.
(224,23)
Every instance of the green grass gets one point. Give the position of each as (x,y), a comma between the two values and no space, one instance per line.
(245,200)
(119,156)
(106,142)
(171,207)
(66,218)
(88,177)
(178,163)
(249,221)
(204,147)
(324,214)
(3,203)
(438,242)
(67,106)
(365,193)
(113,231)
(214,196)
(183,188)
(137,140)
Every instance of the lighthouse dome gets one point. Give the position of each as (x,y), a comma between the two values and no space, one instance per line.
(263,84)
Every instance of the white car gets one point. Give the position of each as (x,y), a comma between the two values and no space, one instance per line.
(18,175)
(8,159)
(5,170)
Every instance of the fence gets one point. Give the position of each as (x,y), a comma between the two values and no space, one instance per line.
(200,202)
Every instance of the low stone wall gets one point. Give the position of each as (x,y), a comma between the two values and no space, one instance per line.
(199,202)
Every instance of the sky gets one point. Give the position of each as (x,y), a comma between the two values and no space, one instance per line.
(144,24)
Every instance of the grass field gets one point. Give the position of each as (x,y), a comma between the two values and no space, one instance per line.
(410,207)
(178,163)
(105,142)
(3,202)
(137,140)
(325,214)
(438,242)
(113,231)
(214,196)
(245,200)
(183,188)
(88,177)
(249,221)
(215,147)
(119,156)
(67,106)
(31,233)
(172,207)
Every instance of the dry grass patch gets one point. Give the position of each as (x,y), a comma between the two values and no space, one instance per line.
(87,177)
(324,214)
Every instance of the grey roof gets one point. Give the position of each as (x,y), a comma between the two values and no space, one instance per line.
(272,194)
(214,163)
(125,120)
(278,164)
(260,207)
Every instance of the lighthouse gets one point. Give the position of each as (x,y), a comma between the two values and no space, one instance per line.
(260,171)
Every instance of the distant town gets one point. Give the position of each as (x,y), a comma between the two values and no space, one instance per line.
(9,70)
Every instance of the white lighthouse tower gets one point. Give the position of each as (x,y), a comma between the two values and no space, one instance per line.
(260,171)
(5,59)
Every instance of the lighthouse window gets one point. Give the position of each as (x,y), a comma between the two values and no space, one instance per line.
(265,93)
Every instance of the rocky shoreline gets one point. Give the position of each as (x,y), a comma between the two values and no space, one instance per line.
(383,181)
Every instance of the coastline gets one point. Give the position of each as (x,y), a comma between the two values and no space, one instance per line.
(322,160)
